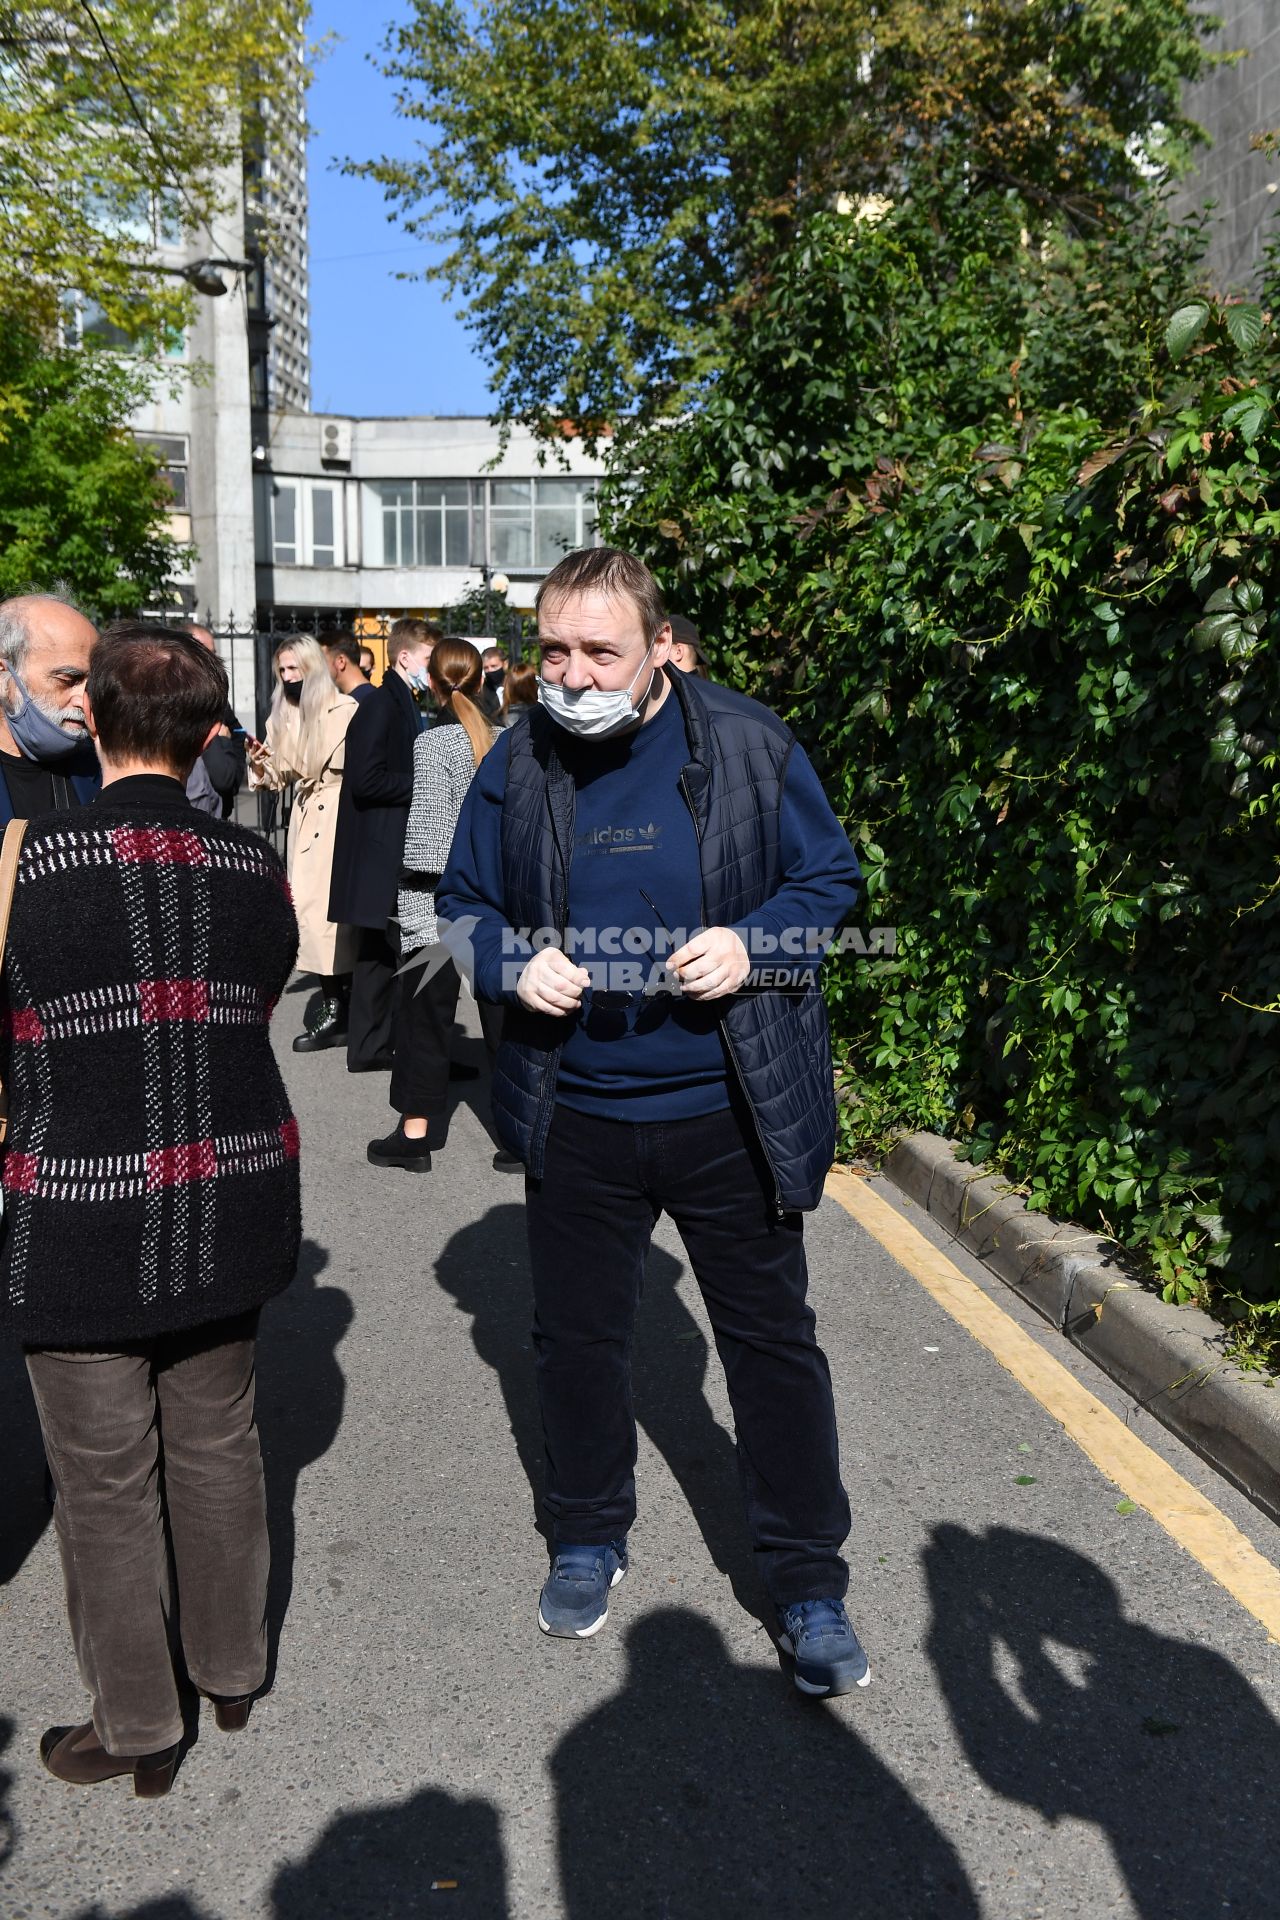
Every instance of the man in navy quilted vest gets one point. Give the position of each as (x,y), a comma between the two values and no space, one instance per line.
(647,875)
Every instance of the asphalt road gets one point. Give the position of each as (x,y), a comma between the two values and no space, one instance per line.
(1067,1715)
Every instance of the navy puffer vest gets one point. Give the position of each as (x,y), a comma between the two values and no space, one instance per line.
(777,1043)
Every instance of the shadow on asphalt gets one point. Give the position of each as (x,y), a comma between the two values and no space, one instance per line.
(301,1390)
(394,1862)
(25,1510)
(705,1790)
(485,1268)
(1064,1705)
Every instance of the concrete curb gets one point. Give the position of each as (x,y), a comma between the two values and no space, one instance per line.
(1169,1358)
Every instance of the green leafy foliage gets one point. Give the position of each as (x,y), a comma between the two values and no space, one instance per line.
(120,124)
(999,540)
(80,500)
(613,183)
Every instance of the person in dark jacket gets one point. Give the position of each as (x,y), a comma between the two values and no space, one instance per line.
(46,755)
(373,811)
(223,760)
(151,1205)
(343,651)
(686,647)
(676,825)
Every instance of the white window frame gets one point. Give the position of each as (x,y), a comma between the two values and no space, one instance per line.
(304,493)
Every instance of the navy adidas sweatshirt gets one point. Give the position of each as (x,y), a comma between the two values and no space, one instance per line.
(639,1050)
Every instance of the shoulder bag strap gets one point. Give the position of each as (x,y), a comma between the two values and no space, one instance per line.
(10,853)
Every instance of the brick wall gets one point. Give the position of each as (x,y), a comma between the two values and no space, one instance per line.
(1233,104)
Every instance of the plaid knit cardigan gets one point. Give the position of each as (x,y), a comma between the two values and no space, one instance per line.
(151,1169)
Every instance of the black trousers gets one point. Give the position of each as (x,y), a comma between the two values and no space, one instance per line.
(371,1013)
(424,1033)
(590,1217)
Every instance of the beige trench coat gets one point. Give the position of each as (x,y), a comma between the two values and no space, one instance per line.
(322,947)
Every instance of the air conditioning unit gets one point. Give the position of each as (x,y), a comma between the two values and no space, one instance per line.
(335,442)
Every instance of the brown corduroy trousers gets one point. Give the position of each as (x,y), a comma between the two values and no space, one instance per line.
(161,1431)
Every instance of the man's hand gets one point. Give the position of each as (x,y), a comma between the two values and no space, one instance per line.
(712,964)
(551,983)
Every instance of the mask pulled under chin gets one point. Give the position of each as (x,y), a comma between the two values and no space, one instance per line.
(594,713)
(39,738)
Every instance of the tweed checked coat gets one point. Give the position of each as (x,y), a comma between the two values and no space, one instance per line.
(151,1169)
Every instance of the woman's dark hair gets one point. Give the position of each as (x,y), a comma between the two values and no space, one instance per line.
(155,693)
(520,688)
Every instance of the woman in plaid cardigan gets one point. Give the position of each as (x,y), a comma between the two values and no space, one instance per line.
(151,1204)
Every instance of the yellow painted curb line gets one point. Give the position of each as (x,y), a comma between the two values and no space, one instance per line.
(1194,1522)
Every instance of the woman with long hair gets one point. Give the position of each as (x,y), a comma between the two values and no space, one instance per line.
(445,758)
(519,692)
(304,748)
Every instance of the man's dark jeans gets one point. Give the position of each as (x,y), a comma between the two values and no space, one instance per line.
(590,1217)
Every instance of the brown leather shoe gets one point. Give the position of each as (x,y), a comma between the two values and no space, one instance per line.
(230,1711)
(76,1755)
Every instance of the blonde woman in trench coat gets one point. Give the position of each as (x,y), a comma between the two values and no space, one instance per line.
(305,748)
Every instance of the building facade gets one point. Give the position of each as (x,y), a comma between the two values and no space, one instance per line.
(385,516)
(1236,104)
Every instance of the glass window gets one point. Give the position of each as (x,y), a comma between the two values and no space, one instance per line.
(564,518)
(94,325)
(424,523)
(170,450)
(258,387)
(511,523)
(284,524)
(323,545)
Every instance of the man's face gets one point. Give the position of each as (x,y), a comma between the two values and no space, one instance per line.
(415,659)
(491,660)
(56,666)
(335,663)
(366,663)
(597,640)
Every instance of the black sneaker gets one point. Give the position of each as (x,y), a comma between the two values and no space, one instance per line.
(397,1150)
(504,1162)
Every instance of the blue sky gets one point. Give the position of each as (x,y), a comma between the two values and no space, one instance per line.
(378,345)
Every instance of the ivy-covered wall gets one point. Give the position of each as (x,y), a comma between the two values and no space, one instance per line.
(1000,541)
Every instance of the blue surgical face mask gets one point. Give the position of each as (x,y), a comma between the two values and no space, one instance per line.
(417,678)
(594,713)
(42,739)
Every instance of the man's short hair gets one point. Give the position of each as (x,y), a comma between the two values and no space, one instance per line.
(155,693)
(345,645)
(610,571)
(494,653)
(411,632)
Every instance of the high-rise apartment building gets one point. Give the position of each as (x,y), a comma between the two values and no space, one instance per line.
(1237,105)
(279,287)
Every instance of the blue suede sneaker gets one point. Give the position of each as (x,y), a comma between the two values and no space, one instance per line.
(574,1603)
(825,1648)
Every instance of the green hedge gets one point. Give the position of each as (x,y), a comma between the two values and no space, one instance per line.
(1030,638)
